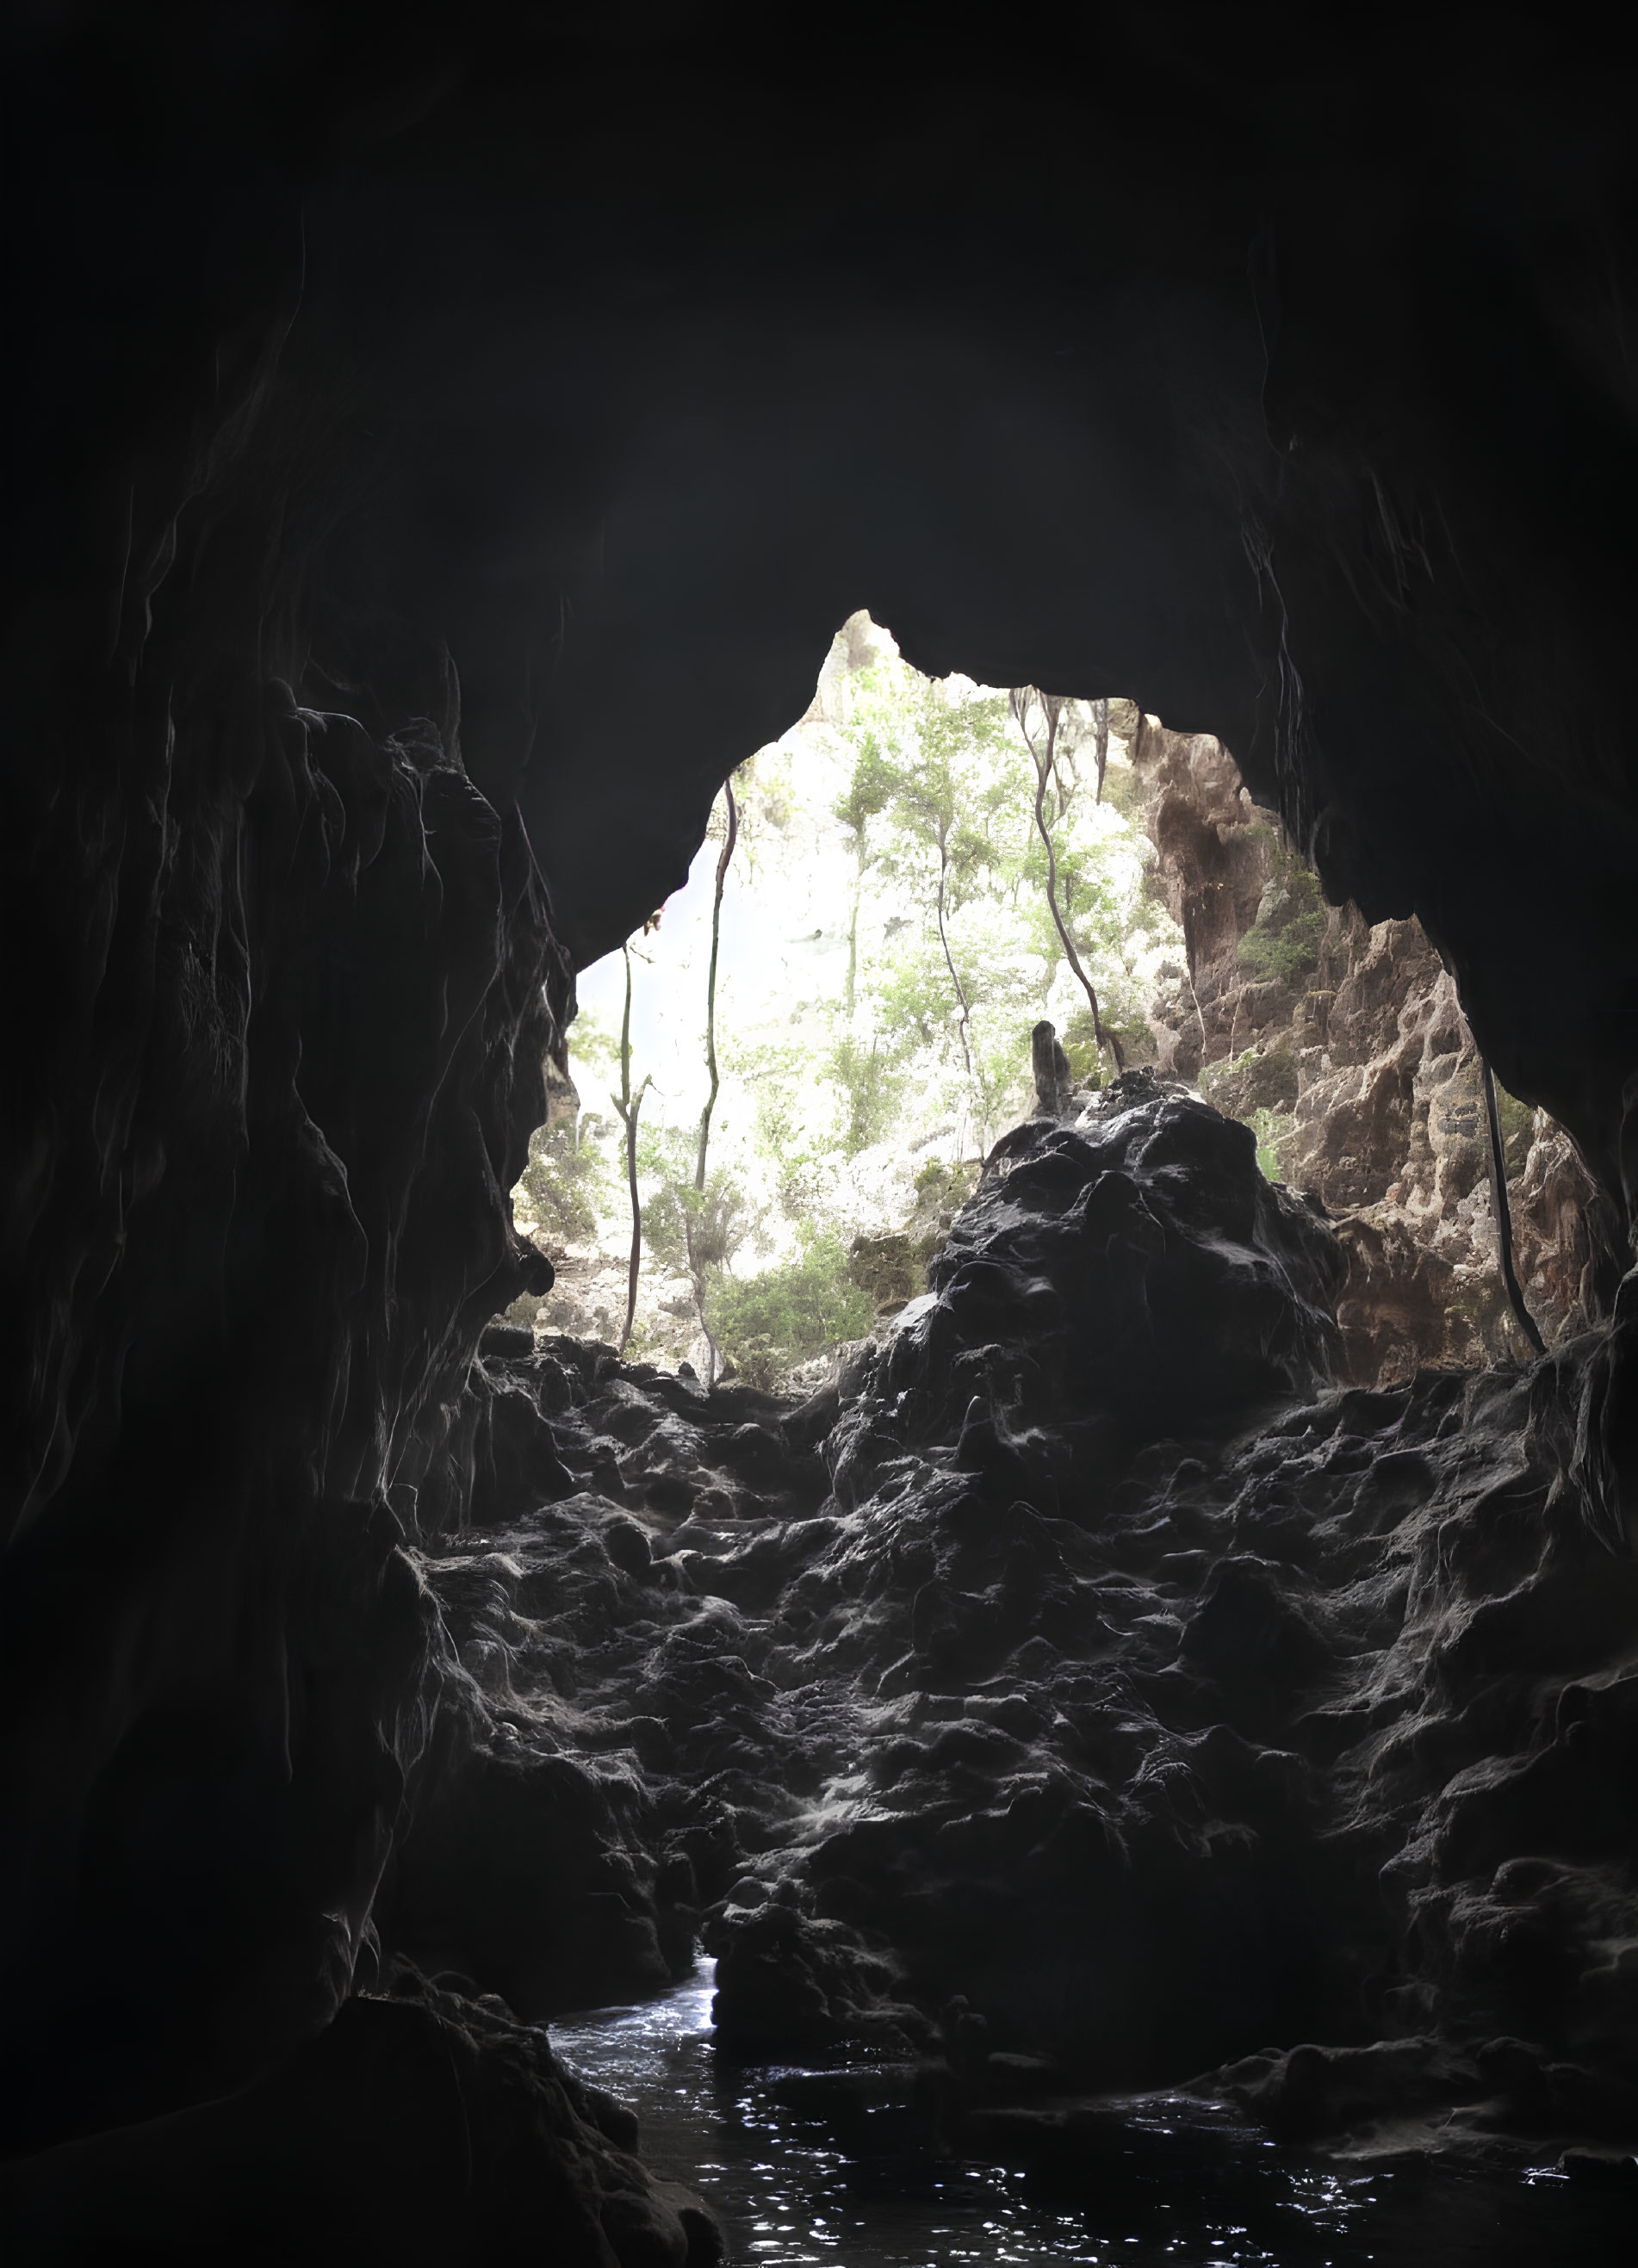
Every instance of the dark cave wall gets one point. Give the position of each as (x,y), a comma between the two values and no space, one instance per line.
(1286,393)
(285,988)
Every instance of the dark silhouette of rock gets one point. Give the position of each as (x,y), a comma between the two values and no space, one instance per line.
(420,2126)
(1149,1696)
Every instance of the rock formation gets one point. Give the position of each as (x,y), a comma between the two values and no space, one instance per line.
(1081,1656)
(1346,1043)
(401,424)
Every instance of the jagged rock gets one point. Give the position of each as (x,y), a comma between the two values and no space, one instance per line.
(1356,1061)
(1133,1686)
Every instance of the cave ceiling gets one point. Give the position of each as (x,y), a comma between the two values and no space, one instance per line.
(1272,376)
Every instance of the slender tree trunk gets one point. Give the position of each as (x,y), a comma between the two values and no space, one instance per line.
(950,962)
(696,1270)
(629,1106)
(728,841)
(1042,774)
(1100,710)
(853,927)
(696,1279)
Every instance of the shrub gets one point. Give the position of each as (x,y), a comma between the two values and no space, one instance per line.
(766,1324)
(1518,1129)
(567,1182)
(1282,945)
(1273,1130)
(872,1088)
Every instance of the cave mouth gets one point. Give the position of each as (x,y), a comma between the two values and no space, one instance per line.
(823,1034)
(780,1091)
(1187,1645)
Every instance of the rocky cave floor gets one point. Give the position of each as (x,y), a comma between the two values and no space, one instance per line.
(1083,1695)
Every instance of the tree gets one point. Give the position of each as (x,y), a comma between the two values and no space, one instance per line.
(1043,755)
(869,792)
(629,1106)
(566,1179)
(730,836)
(694,1229)
(797,1309)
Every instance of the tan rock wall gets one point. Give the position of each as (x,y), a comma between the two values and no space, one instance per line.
(1345,1045)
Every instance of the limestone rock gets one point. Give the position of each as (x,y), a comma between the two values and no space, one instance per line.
(1345,1045)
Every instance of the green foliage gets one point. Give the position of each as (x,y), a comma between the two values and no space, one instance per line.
(593,1053)
(570,1184)
(922,1001)
(1273,1129)
(1518,1129)
(794,1118)
(688,1229)
(1123,790)
(872,1084)
(870,789)
(1282,945)
(940,807)
(1086,1059)
(766,1324)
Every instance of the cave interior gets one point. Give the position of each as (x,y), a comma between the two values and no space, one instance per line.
(436,459)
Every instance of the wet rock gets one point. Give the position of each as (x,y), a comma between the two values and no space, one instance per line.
(789,1980)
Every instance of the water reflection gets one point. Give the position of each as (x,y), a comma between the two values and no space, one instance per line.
(809,2163)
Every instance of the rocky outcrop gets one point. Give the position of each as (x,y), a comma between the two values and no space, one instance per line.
(892,1267)
(1080,1693)
(1345,1045)
(291,982)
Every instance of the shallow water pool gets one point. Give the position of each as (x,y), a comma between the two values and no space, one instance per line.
(809,2163)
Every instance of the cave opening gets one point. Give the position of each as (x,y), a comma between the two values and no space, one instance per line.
(822,1037)
(1131,1682)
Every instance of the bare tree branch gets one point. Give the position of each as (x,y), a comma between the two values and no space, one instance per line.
(1045,761)
(629,1106)
(729,841)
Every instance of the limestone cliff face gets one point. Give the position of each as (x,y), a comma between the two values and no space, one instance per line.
(1344,1044)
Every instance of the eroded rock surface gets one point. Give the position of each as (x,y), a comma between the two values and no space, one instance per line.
(1116,1702)
(1345,1042)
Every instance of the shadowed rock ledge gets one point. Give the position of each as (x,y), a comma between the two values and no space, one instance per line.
(1112,1679)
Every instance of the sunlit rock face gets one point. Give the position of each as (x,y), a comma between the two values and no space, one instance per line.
(1346,1043)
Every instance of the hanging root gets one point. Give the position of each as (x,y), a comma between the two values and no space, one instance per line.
(1504,1215)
